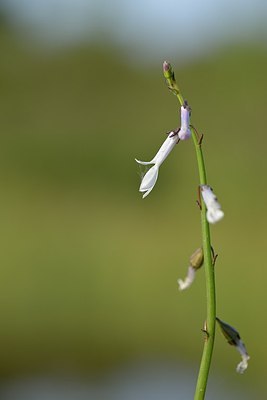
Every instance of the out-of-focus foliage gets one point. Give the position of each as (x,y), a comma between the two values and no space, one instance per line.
(88,269)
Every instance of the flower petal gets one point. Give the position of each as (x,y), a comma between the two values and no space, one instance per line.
(149,180)
(214,215)
(143,162)
(147,192)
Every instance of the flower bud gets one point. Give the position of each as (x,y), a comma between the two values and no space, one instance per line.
(197,258)
(168,71)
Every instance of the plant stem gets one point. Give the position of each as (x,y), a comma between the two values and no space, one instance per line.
(210,285)
(208,262)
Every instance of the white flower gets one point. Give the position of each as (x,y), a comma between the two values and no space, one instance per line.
(214,212)
(150,178)
(185,132)
(182,133)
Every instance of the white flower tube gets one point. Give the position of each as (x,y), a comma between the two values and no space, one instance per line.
(185,131)
(150,178)
(214,212)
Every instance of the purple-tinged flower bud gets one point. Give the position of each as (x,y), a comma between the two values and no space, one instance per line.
(168,71)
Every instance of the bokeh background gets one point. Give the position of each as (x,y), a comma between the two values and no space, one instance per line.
(89,303)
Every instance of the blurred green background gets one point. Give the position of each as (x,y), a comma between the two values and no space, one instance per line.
(88,269)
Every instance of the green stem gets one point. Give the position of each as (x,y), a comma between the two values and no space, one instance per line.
(210,285)
(208,262)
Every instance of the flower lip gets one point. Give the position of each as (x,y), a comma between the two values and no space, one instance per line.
(149,180)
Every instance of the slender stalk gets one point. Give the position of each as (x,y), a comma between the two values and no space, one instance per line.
(210,285)
(208,262)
